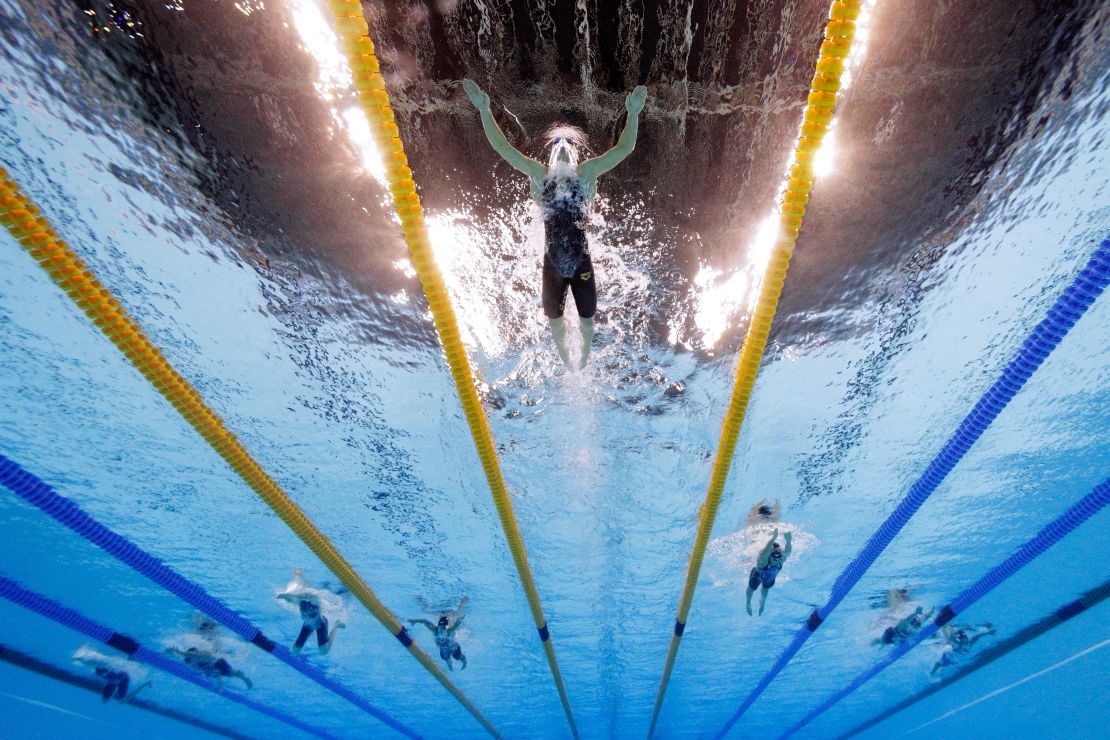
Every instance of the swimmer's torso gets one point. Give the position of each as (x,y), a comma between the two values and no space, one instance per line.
(563,198)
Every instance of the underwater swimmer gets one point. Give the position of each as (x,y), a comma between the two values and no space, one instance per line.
(905,629)
(445,638)
(117,682)
(562,187)
(306,598)
(210,664)
(766,569)
(312,620)
(960,641)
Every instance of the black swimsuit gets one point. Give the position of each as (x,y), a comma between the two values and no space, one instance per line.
(566,262)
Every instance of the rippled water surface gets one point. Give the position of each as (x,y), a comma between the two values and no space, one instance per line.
(207,161)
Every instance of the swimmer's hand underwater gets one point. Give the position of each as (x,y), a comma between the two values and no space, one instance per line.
(634,103)
(477,97)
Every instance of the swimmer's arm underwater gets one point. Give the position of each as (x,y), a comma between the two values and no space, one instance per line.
(424,622)
(765,555)
(591,169)
(455,626)
(496,136)
(295,598)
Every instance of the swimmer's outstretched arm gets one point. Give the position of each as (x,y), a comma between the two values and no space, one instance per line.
(496,136)
(294,598)
(789,537)
(591,169)
(765,553)
(424,622)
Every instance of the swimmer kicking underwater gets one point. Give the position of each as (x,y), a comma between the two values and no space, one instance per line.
(766,569)
(562,187)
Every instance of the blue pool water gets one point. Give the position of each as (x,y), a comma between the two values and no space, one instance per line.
(342,394)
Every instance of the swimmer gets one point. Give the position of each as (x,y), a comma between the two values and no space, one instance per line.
(905,629)
(764,512)
(897,598)
(212,666)
(312,621)
(563,187)
(445,639)
(766,569)
(960,643)
(117,681)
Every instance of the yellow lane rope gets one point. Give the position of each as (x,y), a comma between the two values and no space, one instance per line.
(33,231)
(354,37)
(815,123)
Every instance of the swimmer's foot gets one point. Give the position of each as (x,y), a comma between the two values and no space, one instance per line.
(749,609)
(131,696)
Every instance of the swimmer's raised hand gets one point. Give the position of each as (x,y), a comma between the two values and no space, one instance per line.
(477,97)
(634,103)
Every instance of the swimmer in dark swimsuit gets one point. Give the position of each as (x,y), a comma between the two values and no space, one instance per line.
(960,643)
(766,569)
(210,665)
(312,621)
(445,639)
(562,188)
(905,629)
(117,682)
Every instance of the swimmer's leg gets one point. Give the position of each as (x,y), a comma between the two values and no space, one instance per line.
(559,330)
(587,341)
(107,691)
(331,638)
(584,288)
(121,687)
(554,296)
(302,638)
(762,600)
(136,691)
(458,655)
(246,681)
(753,584)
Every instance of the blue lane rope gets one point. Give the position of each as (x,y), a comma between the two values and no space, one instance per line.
(1061,317)
(33,490)
(67,617)
(1087,507)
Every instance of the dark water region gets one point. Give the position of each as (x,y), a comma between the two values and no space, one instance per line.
(945,91)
